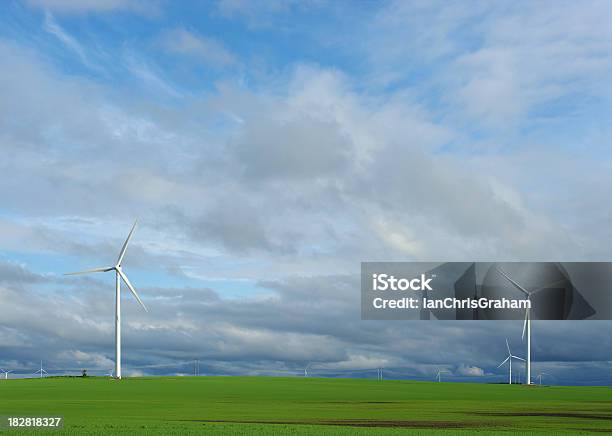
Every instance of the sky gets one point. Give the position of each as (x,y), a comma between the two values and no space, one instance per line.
(267,148)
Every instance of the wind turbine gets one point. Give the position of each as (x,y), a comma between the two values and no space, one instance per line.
(41,371)
(110,373)
(540,377)
(509,360)
(439,375)
(119,275)
(527,322)
(6,373)
(306,369)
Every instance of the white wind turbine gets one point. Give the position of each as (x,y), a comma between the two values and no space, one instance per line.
(509,360)
(119,275)
(439,374)
(540,377)
(527,322)
(6,373)
(306,369)
(41,371)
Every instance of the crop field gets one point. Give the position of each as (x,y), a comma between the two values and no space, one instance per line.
(300,406)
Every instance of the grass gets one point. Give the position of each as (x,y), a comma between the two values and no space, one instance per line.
(304,406)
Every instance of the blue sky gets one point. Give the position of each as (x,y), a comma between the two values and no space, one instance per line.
(269,147)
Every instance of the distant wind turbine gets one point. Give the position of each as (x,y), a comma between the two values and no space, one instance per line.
(509,360)
(41,371)
(306,369)
(6,373)
(119,275)
(540,377)
(439,374)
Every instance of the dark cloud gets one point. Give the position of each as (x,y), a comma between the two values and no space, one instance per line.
(303,319)
(15,274)
(301,148)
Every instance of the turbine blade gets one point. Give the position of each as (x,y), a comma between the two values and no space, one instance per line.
(125,244)
(89,271)
(519,358)
(129,285)
(508,347)
(503,361)
(525,324)
(519,287)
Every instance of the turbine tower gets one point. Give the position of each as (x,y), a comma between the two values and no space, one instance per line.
(527,322)
(119,275)
(509,360)
(41,371)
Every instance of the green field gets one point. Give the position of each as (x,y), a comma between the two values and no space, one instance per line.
(269,405)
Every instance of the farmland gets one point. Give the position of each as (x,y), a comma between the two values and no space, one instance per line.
(274,405)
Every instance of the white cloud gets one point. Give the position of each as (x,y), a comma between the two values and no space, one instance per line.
(52,26)
(209,50)
(96,6)
(495,64)
(258,14)
(470,371)
(151,80)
